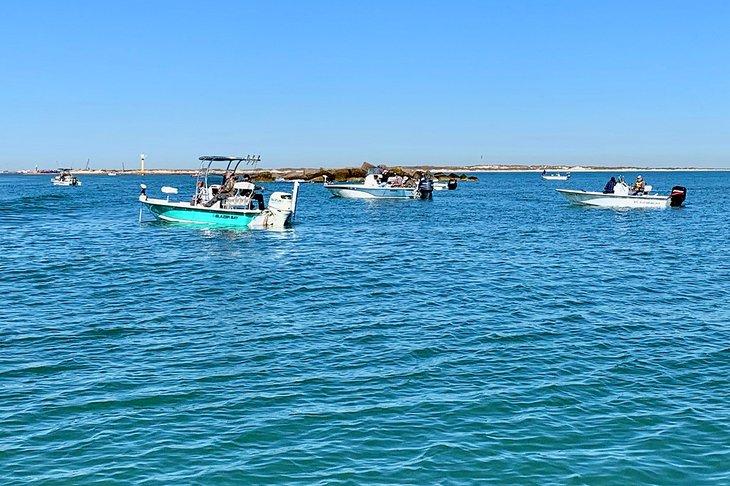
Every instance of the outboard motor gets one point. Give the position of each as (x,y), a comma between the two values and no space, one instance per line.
(452,184)
(425,187)
(679,194)
(281,201)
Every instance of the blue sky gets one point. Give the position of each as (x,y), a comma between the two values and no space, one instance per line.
(312,83)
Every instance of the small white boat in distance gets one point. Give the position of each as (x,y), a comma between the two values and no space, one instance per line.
(65,178)
(622,198)
(556,177)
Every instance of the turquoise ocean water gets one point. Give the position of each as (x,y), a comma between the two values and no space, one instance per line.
(495,334)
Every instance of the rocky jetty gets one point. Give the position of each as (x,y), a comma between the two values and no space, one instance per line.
(353,174)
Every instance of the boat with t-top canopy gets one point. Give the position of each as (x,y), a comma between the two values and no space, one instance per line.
(235,201)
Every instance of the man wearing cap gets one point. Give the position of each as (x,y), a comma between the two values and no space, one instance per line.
(225,191)
(639,186)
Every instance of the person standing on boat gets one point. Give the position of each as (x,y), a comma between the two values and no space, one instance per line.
(610,185)
(639,186)
(255,196)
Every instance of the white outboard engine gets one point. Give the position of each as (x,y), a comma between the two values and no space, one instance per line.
(280,211)
(280,201)
(425,187)
(677,197)
(278,214)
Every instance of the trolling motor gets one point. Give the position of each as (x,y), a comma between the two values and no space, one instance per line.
(143,191)
(679,194)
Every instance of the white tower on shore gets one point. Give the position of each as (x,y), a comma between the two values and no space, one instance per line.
(141,164)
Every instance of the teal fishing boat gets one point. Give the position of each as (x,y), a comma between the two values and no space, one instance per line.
(236,201)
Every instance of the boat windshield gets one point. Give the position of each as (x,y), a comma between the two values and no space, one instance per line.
(375,171)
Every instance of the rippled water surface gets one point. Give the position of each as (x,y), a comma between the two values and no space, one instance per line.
(494,334)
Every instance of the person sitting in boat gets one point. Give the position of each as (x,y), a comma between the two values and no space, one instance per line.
(255,196)
(639,186)
(225,191)
(199,193)
(610,185)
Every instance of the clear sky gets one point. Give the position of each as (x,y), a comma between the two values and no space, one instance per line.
(311,83)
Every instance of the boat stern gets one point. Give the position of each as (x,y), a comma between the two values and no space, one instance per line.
(280,212)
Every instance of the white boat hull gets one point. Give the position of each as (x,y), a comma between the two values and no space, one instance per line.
(359,191)
(600,199)
(555,178)
(65,183)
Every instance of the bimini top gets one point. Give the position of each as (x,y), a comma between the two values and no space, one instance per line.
(222,158)
(207,162)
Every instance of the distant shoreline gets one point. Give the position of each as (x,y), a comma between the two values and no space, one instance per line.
(461,169)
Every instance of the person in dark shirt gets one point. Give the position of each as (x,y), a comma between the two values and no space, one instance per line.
(610,185)
(255,196)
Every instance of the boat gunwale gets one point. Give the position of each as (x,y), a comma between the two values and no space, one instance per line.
(356,186)
(657,197)
(187,206)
